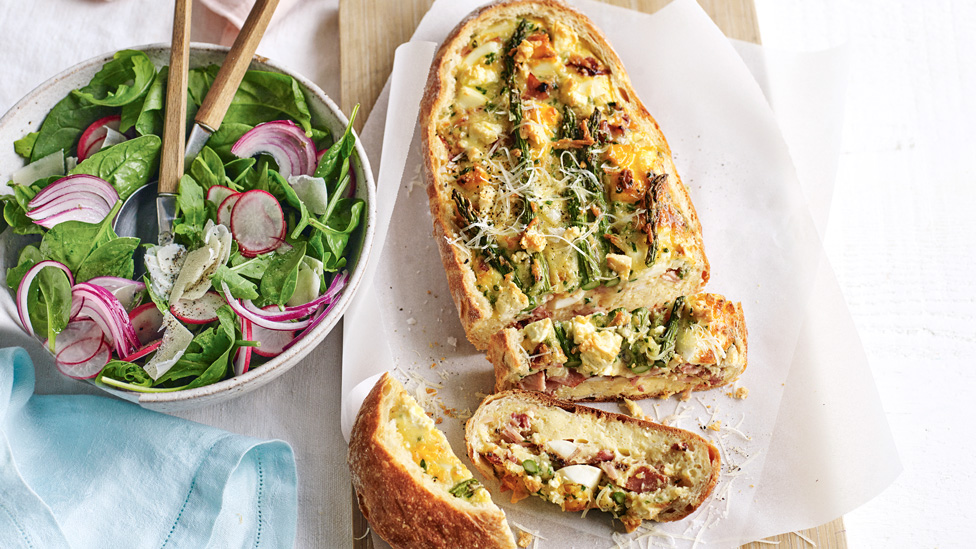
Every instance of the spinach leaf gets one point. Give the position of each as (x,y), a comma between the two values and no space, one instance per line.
(219,367)
(146,115)
(280,279)
(240,270)
(236,169)
(207,356)
(64,125)
(199,81)
(322,138)
(265,96)
(329,163)
(335,233)
(120,81)
(192,209)
(261,97)
(56,291)
(126,372)
(25,145)
(224,138)
(283,190)
(71,242)
(208,169)
(29,257)
(113,258)
(126,166)
(14,216)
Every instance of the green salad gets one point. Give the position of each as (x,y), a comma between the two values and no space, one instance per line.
(266,220)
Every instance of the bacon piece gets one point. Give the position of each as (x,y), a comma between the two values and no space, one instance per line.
(645,479)
(509,434)
(587,66)
(585,141)
(492,458)
(520,420)
(534,382)
(572,379)
(536,89)
(541,46)
(612,469)
(601,456)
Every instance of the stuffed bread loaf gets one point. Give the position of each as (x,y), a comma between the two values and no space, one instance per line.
(552,190)
(411,487)
(582,458)
(694,343)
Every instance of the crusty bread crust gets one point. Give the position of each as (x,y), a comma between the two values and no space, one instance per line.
(400,507)
(478,317)
(585,413)
(506,354)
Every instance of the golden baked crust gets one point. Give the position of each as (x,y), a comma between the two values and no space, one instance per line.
(709,345)
(505,261)
(636,469)
(402,503)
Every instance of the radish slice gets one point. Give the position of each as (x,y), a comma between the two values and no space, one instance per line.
(273,342)
(242,358)
(89,368)
(219,193)
(81,351)
(257,223)
(123,289)
(72,183)
(92,138)
(42,168)
(226,207)
(79,341)
(283,140)
(198,311)
(24,288)
(147,321)
(143,351)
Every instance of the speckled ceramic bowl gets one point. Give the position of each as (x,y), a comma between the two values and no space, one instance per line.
(26,116)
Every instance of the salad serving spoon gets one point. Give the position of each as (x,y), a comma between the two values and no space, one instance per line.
(149,212)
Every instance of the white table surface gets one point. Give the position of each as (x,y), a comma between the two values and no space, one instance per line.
(901,237)
(902,240)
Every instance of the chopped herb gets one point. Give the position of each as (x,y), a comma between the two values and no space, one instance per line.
(423,464)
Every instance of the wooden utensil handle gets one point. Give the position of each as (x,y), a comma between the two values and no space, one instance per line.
(174,125)
(231,73)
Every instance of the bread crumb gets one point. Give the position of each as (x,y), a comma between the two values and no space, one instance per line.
(411,321)
(740,393)
(631,408)
(524,539)
(452,341)
(715,425)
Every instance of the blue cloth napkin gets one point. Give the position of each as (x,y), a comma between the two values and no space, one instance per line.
(85,471)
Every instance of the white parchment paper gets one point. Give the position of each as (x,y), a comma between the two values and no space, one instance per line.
(792,457)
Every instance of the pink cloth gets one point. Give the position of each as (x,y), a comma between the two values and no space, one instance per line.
(235,11)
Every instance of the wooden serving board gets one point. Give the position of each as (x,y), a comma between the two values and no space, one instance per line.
(370,31)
